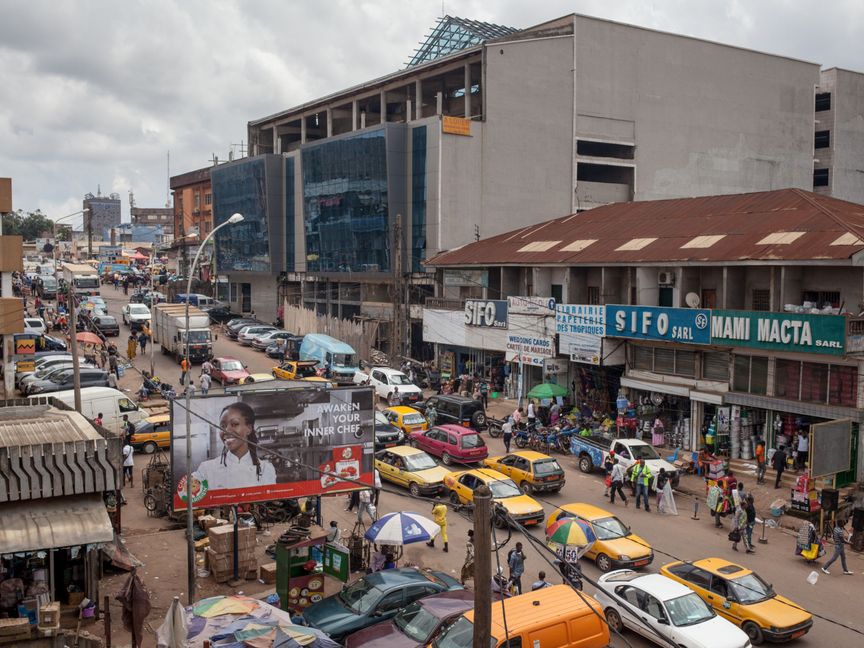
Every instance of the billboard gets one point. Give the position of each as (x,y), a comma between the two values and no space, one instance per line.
(257,446)
(580,330)
(688,325)
(799,332)
(489,313)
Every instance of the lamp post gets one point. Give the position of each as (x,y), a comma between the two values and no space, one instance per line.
(86,210)
(152,290)
(190,541)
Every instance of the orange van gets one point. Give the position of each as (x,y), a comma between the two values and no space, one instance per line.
(553,617)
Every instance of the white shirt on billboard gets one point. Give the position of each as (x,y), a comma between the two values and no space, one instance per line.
(236,473)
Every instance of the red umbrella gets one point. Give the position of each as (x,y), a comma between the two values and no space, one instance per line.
(138,256)
(88,338)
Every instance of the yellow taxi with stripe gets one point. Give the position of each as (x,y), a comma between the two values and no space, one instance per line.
(152,433)
(523,509)
(616,547)
(406,419)
(533,472)
(411,468)
(739,595)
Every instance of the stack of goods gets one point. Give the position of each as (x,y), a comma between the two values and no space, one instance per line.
(299,530)
(220,553)
(49,619)
(14,631)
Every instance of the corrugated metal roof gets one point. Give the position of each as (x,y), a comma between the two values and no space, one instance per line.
(57,522)
(39,424)
(738,223)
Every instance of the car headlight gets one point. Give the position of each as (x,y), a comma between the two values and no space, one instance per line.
(35,389)
(624,557)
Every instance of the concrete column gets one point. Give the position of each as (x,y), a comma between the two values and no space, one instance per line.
(408,110)
(418,99)
(277,143)
(329,122)
(362,120)
(354,111)
(439,103)
(383,113)
(467,70)
(303,129)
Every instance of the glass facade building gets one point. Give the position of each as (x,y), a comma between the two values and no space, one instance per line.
(346,204)
(418,198)
(289,214)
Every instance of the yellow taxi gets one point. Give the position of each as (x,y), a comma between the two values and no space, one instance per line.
(739,595)
(616,546)
(534,472)
(298,370)
(523,509)
(152,433)
(411,468)
(406,419)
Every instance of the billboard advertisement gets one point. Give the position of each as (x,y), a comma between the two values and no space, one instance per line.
(666,324)
(489,313)
(580,330)
(257,446)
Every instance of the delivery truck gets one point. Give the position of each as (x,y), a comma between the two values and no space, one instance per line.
(168,326)
(82,277)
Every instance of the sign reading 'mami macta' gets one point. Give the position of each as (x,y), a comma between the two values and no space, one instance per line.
(824,334)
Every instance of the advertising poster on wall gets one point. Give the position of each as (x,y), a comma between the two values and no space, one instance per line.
(259,446)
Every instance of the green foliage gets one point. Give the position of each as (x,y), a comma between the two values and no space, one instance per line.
(30,225)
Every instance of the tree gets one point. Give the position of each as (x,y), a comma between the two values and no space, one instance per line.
(30,225)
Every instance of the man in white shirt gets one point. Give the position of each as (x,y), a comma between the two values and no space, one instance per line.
(377,492)
(803,450)
(239,465)
(532,415)
(128,462)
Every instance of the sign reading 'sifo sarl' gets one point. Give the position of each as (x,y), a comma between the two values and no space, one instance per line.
(687,325)
(488,313)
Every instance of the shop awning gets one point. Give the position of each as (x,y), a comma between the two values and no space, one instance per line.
(56,522)
(661,388)
(714,398)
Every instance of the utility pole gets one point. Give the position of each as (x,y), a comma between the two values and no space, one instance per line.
(73,345)
(397,330)
(482,567)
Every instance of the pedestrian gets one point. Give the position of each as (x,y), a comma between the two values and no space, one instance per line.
(484,393)
(439,516)
(184,368)
(517,416)
(333,533)
(516,563)
(353,501)
(760,462)
(778,461)
(377,490)
(803,450)
(128,462)
(714,502)
(617,481)
(739,523)
(608,464)
(112,363)
(532,414)
(660,484)
(642,476)
(541,582)
(128,426)
(840,538)
(131,346)
(103,358)
(750,510)
(377,560)
(207,367)
(98,419)
(431,415)
(366,506)
(204,381)
(507,433)
(389,561)
(468,565)
(142,342)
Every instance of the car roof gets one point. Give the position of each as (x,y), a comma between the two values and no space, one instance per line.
(658,585)
(722,567)
(447,603)
(388,370)
(586,511)
(401,409)
(220,358)
(456,429)
(158,418)
(398,576)
(455,398)
(405,451)
(530,455)
(487,473)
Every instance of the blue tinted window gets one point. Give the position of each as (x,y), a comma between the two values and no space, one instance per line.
(418,197)
(345,205)
(242,188)
(289,215)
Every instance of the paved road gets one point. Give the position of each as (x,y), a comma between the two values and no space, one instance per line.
(679,537)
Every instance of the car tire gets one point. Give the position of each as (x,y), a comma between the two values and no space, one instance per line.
(614,620)
(478,420)
(604,564)
(149,448)
(526,488)
(754,632)
(414,489)
(454,499)
(585,464)
(446,459)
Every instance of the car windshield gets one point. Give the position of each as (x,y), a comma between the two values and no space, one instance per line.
(199,336)
(471,441)
(399,379)
(86,282)
(359,597)
(644,452)
(503,488)
(305,371)
(609,528)
(139,309)
(546,467)
(459,634)
(107,319)
(688,610)
(416,622)
(413,419)
(419,462)
(750,589)
(232,365)
(344,359)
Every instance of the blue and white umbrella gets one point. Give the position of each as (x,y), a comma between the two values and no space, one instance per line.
(402,528)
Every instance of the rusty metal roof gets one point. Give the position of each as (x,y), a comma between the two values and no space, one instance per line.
(782,225)
(41,424)
(57,522)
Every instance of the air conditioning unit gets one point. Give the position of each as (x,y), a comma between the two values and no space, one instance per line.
(666,278)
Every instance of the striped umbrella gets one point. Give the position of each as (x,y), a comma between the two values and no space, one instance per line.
(570,538)
(402,528)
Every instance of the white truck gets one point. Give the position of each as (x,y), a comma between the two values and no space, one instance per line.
(168,326)
(82,277)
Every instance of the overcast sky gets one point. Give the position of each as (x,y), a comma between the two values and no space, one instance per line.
(95,93)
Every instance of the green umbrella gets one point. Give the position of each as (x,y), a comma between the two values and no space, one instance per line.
(547,390)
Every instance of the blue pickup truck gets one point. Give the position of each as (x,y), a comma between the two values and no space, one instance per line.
(591,451)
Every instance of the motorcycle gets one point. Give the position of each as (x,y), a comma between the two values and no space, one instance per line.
(522,438)
(496,427)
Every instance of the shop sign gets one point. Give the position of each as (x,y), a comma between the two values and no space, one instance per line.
(486,313)
(531,305)
(686,325)
(21,366)
(527,344)
(335,561)
(456,126)
(466,278)
(804,333)
(580,330)
(525,359)
(553,367)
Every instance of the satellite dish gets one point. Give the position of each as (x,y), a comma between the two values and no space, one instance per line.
(692,300)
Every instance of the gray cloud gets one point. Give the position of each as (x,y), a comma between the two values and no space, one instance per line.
(95,92)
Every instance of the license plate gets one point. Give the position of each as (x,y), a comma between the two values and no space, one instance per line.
(640,563)
(795,635)
(530,522)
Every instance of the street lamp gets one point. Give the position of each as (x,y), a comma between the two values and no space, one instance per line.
(190,541)
(86,210)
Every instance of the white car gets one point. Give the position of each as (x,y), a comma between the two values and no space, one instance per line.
(629,451)
(35,326)
(386,381)
(135,314)
(664,612)
(249,333)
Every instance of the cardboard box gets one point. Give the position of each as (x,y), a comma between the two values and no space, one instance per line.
(222,538)
(223,562)
(268,572)
(49,615)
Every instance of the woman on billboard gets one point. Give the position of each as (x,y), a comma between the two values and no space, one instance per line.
(239,465)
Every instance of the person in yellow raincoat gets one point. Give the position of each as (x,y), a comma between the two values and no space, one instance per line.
(439,516)
(131,345)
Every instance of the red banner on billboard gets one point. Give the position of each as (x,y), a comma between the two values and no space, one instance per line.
(258,446)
